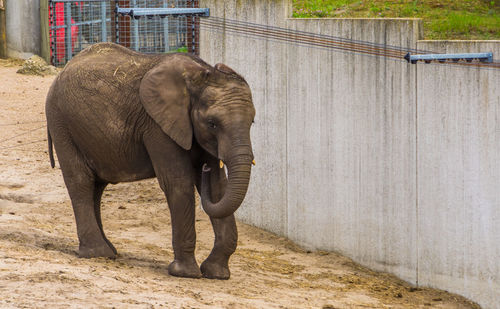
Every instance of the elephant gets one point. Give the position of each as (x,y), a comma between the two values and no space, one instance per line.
(116,115)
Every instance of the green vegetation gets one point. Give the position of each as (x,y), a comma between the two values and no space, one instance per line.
(182,49)
(443,19)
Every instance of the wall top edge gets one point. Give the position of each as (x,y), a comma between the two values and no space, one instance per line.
(354,18)
(458,41)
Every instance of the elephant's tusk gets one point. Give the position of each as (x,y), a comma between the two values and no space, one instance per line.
(221,164)
(253,162)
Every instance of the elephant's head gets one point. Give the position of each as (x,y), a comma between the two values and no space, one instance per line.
(187,98)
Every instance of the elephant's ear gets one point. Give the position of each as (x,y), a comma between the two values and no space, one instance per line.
(224,68)
(165,96)
(227,70)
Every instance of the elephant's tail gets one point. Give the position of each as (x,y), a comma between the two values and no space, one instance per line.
(51,150)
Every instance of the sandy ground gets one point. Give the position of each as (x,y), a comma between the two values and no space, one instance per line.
(39,266)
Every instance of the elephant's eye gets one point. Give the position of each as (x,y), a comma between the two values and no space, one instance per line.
(211,124)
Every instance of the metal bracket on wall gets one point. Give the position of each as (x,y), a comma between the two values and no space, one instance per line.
(483,57)
(163,12)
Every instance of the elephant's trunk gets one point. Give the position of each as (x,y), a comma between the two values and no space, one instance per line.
(238,171)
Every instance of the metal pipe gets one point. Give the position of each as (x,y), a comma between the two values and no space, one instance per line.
(104,33)
(67,37)
(203,12)
(166,39)
(80,34)
(135,36)
(483,57)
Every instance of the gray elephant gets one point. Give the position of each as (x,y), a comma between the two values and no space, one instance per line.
(114,115)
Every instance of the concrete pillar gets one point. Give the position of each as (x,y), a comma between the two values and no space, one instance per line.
(23,28)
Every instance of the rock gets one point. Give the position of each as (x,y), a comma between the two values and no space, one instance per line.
(35,65)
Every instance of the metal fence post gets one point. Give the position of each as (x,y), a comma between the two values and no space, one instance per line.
(166,39)
(104,33)
(53,33)
(67,37)
(80,35)
(113,24)
(178,27)
(135,23)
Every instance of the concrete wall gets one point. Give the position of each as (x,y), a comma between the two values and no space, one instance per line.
(23,28)
(392,164)
(351,147)
(459,175)
(266,73)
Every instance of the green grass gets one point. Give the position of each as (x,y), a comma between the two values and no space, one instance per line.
(182,49)
(443,19)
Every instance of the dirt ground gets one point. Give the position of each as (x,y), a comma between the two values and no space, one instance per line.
(39,266)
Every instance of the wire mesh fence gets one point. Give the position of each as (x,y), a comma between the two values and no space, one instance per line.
(77,24)
(156,32)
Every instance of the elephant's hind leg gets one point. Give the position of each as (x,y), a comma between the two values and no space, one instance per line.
(84,194)
(98,190)
(93,242)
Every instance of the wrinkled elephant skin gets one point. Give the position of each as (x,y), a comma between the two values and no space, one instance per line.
(114,115)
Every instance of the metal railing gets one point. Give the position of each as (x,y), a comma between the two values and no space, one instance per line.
(75,25)
(141,25)
(146,26)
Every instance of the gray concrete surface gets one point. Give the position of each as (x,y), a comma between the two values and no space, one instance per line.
(459,175)
(392,164)
(23,28)
(266,74)
(351,147)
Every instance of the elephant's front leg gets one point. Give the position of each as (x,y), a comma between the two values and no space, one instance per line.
(175,176)
(182,213)
(216,266)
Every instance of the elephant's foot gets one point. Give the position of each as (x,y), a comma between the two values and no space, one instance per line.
(185,268)
(215,269)
(104,250)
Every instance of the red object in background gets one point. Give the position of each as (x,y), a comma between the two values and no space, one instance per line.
(60,41)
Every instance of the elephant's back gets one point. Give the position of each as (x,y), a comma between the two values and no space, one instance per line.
(95,100)
(105,76)
(107,65)
(109,57)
